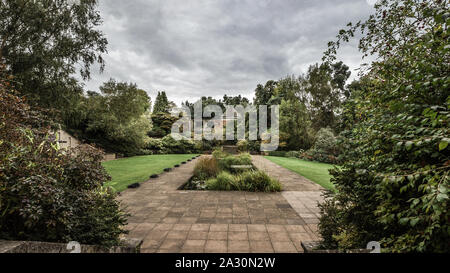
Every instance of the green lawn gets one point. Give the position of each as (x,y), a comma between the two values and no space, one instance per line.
(127,171)
(314,171)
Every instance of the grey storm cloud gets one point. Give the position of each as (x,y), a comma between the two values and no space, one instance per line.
(208,48)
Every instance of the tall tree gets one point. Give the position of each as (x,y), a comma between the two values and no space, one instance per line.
(42,43)
(161,103)
(325,86)
(263,94)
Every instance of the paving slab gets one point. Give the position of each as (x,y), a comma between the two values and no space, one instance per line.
(173,220)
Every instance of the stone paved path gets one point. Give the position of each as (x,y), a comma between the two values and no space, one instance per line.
(171,220)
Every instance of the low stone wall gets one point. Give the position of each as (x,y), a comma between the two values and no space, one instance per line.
(127,246)
(311,247)
(109,157)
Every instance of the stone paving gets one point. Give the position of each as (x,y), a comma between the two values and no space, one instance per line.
(172,220)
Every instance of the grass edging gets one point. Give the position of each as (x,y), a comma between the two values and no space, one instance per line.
(137,169)
(315,171)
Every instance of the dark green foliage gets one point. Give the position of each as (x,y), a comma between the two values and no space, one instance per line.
(47,194)
(296,154)
(115,119)
(325,148)
(278,153)
(393,184)
(162,124)
(161,104)
(295,125)
(263,94)
(43,43)
(172,146)
(325,85)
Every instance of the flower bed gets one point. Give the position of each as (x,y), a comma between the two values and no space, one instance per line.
(224,172)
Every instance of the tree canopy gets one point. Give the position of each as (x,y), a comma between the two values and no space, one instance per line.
(43,42)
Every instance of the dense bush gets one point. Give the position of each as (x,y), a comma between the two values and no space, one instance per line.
(278,153)
(296,154)
(162,124)
(116,119)
(394,181)
(168,145)
(243,146)
(324,149)
(47,194)
(254,146)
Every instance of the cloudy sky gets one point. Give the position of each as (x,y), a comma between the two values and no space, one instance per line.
(210,48)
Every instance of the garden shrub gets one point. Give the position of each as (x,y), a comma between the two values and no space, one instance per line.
(48,194)
(296,154)
(223,182)
(393,184)
(278,153)
(205,168)
(259,181)
(219,154)
(168,145)
(325,148)
(230,160)
(254,146)
(243,145)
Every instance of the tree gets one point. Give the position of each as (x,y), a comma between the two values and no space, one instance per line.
(264,93)
(325,86)
(116,119)
(161,103)
(295,133)
(236,100)
(42,43)
(393,186)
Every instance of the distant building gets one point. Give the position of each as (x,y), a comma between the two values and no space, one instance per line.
(66,140)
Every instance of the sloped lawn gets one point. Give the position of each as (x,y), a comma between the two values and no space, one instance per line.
(127,171)
(314,171)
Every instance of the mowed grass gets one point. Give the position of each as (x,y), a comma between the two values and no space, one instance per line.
(127,171)
(314,171)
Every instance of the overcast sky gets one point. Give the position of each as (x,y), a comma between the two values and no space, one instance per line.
(210,48)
